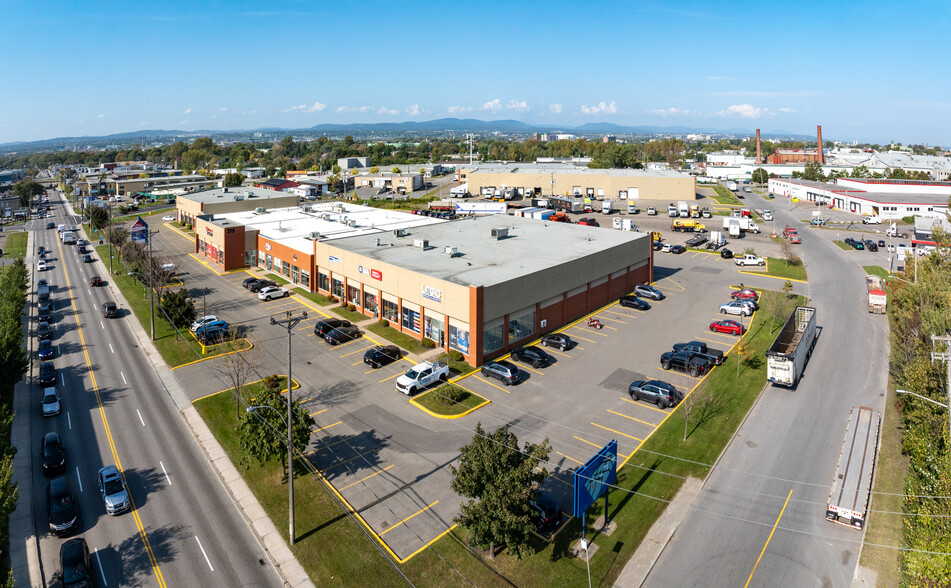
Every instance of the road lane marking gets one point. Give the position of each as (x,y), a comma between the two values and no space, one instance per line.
(69,421)
(643,405)
(140,417)
(102,573)
(408,518)
(618,432)
(111,349)
(166,473)
(102,325)
(80,479)
(123,379)
(203,553)
(327,427)
(62,380)
(651,425)
(367,477)
(773,530)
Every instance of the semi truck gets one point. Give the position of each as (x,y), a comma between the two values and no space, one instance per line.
(564,203)
(852,484)
(786,357)
(877,298)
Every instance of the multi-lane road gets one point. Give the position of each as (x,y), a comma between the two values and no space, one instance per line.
(184,529)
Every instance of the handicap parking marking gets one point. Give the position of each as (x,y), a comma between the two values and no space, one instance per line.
(651,425)
(617,432)
(643,405)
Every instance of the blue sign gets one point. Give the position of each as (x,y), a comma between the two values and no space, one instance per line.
(139,231)
(593,478)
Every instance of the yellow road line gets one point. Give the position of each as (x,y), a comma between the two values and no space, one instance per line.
(617,432)
(643,405)
(768,539)
(571,458)
(408,518)
(367,477)
(652,425)
(327,427)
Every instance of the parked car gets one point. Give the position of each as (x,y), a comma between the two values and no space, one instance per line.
(110,310)
(726,254)
(74,561)
(112,488)
(714,356)
(380,355)
(52,454)
(215,324)
(728,326)
(324,327)
(208,318)
(50,225)
(661,393)
(212,335)
(648,291)
(272,292)
(47,373)
(45,349)
(259,284)
(657,245)
(651,211)
(44,331)
(751,304)
(61,507)
(744,294)
(857,244)
(248,281)
(871,245)
(532,355)
(634,302)
(168,218)
(736,307)
(505,371)
(343,335)
(685,361)
(545,512)
(95,281)
(589,222)
(50,401)
(559,340)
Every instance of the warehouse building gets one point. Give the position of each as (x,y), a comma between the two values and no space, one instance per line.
(533,179)
(480,286)
(889,199)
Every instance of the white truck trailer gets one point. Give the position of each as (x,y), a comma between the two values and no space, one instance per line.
(731,185)
(877,297)
(683,210)
(852,484)
(786,357)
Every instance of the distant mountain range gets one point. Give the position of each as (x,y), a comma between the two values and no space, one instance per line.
(431,127)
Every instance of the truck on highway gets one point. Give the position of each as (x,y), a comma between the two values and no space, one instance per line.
(731,185)
(683,210)
(69,237)
(786,357)
(745,224)
(852,484)
(877,298)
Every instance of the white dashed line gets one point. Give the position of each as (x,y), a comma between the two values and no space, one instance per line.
(203,553)
(69,421)
(102,325)
(123,378)
(80,479)
(166,473)
(140,417)
(111,349)
(101,571)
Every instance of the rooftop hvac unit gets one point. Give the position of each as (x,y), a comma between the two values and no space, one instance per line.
(325,216)
(500,233)
(399,233)
(314,235)
(352,222)
(262,210)
(421,243)
(250,194)
(450,251)
(239,197)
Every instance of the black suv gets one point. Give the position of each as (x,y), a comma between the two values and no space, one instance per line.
(61,507)
(342,335)
(871,245)
(559,340)
(685,361)
(531,355)
(381,355)
(47,373)
(45,313)
(110,310)
(505,371)
(660,393)
(53,454)
(255,286)
(324,327)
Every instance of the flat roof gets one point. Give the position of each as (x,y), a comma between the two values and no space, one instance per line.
(877,197)
(562,168)
(482,260)
(229,194)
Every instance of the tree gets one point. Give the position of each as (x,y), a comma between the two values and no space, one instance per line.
(396,170)
(760,176)
(263,432)
(374,170)
(499,479)
(118,237)
(813,172)
(177,306)
(98,216)
(786,248)
(238,369)
(233,180)
(25,190)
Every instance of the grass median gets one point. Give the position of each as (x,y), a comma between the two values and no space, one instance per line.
(724,196)
(314,297)
(780,268)
(15,245)
(411,344)
(876,270)
(449,400)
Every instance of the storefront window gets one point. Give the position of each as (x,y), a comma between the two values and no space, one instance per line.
(369,302)
(285,269)
(268,262)
(338,288)
(305,279)
(435,331)
(323,282)
(295,274)
(521,324)
(492,337)
(391,311)
(353,295)
(459,338)
(410,320)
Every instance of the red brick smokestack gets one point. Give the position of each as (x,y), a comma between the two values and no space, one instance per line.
(758,159)
(822,157)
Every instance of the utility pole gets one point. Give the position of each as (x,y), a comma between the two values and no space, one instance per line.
(944,356)
(289,323)
(151,285)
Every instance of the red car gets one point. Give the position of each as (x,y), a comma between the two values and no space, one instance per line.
(590,222)
(727,326)
(745,294)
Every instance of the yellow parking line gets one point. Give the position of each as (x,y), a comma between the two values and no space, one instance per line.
(681,373)
(327,427)
(592,332)
(557,353)
(486,380)
(644,405)
(709,340)
(573,336)
(618,432)
(407,518)
(391,377)
(533,370)
(615,320)
(339,345)
(571,458)
(357,351)
(319,412)
(367,477)
(651,425)
(586,441)
(614,312)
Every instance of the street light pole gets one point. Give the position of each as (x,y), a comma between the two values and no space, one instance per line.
(151,286)
(289,323)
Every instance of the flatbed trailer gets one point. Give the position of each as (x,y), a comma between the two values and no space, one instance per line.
(852,484)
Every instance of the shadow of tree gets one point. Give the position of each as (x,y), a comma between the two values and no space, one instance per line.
(128,564)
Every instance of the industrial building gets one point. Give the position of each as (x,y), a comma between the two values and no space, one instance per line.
(889,199)
(533,179)
(480,286)
(225,200)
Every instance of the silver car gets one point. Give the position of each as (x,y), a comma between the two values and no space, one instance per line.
(736,307)
(648,291)
(50,402)
(114,493)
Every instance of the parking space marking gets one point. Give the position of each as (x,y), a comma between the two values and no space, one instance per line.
(615,312)
(617,432)
(613,319)
(486,380)
(339,345)
(643,405)
(391,377)
(319,412)
(407,518)
(357,351)
(346,461)
(563,354)
(571,458)
(681,374)
(590,331)
(651,425)
(583,339)
(327,427)
(367,477)
(709,340)
(528,369)
(588,442)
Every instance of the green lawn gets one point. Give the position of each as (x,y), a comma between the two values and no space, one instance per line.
(353,316)
(457,368)
(438,402)
(780,268)
(408,343)
(842,245)
(15,245)
(135,214)
(875,270)
(313,297)
(724,196)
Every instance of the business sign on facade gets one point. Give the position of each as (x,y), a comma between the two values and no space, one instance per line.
(376,274)
(139,232)
(432,294)
(594,477)
(334,259)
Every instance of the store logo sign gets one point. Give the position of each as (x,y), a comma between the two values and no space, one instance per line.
(432,293)
(267,246)
(334,259)
(209,232)
(376,274)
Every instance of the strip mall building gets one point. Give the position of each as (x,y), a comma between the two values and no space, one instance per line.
(480,286)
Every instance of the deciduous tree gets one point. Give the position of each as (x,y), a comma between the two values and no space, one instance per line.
(264,432)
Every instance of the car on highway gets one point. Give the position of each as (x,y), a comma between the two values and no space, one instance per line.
(41,265)
(88,258)
(95,281)
(40,249)
(505,371)
(112,488)
(61,508)
(45,349)
(272,292)
(634,302)
(744,294)
(258,284)
(42,282)
(380,355)
(45,312)
(687,362)
(343,335)
(651,211)
(81,249)
(531,355)
(110,310)
(208,318)
(661,393)
(735,307)
(648,291)
(727,326)
(168,218)
(50,225)
(47,373)
(44,331)
(325,326)
(544,512)
(50,402)
(726,254)
(558,340)
(52,454)
(215,324)
(74,561)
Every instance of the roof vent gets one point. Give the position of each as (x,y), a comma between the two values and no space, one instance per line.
(450,251)
(226,189)
(238,197)
(352,222)
(500,233)
(399,233)
(377,241)
(262,210)
(314,235)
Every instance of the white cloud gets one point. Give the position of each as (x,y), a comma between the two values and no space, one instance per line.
(354,109)
(390,111)
(187,111)
(315,107)
(787,110)
(744,111)
(518,105)
(600,108)
(458,109)
(101,116)
(413,110)
(492,105)
(672,111)
(555,108)
(223,109)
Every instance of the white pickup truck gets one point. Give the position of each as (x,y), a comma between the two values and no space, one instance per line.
(422,375)
(871,220)
(748,259)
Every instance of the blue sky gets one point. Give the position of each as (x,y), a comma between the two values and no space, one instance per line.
(870,71)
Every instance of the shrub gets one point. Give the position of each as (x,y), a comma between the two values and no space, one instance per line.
(428,343)
(384,323)
(188,226)
(456,355)
(447,394)
(332,299)
(272,382)
(351,308)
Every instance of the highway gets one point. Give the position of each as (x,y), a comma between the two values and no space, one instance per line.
(760,517)
(184,529)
